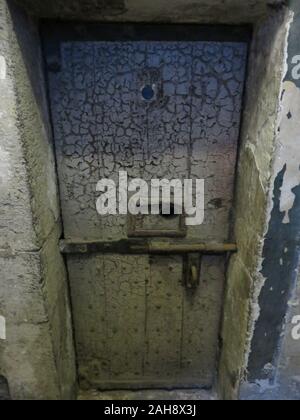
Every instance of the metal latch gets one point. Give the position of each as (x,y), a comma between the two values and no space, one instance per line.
(192,270)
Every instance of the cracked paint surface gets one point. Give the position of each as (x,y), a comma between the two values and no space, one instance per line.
(134,320)
(103,125)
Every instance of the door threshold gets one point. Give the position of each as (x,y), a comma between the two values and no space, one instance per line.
(150,395)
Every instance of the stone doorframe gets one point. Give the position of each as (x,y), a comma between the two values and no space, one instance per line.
(36,342)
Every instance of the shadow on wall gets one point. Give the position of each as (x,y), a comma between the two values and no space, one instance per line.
(28,37)
(4,389)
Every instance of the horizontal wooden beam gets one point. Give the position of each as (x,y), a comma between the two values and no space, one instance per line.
(140,247)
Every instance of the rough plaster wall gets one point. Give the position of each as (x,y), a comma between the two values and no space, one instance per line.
(274,359)
(197,11)
(254,172)
(36,353)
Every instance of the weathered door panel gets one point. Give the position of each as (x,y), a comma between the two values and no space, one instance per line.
(136,323)
(110,327)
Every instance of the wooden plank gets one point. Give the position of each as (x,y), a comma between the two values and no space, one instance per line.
(164,319)
(201,322)
(89,316)
(218,84)
(125,282)
(74,121)
(108,299)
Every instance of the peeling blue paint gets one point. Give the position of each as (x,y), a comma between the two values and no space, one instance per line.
(281,259)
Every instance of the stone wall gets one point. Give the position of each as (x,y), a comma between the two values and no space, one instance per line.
(36,348)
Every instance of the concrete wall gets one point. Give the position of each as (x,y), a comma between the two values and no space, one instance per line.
(36,348)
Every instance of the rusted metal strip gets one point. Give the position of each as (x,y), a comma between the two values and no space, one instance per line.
(145,247)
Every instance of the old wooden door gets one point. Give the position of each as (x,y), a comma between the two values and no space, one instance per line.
(161,103)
